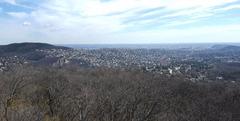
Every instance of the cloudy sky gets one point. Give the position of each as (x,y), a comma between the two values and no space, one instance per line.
(119,21)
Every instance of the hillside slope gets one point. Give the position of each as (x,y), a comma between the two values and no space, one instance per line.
(20,48)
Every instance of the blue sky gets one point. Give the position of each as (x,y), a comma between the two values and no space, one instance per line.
(119,21)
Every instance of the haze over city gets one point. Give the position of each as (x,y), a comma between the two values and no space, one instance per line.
(119,21)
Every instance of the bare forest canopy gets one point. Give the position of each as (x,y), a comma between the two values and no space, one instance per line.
(74,94)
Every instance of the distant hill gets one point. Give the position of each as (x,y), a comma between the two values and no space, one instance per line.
(226,48)
(18,48)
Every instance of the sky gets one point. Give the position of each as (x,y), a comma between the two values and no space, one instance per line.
(119,21)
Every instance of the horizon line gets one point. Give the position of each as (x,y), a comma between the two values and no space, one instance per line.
(173,43)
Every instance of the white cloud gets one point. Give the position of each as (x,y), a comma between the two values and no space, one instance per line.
(176,23)
(10,1)
(95,7)
(83,35)
(73,20)
(223,33)
(197,3)
(230,7)
(20,15)
(12,31)
(94,11)
(26,23)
